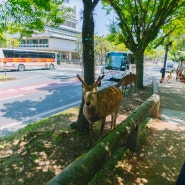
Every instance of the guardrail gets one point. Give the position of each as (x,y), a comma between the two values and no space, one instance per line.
(81,171)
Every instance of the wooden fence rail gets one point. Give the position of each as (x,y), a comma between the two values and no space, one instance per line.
(81,170)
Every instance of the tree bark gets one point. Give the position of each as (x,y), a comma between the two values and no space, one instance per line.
(139,56)
(88,56)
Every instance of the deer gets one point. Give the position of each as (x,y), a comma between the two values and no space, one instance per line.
(178,74)
(126,80)
(99,104)
(169,77)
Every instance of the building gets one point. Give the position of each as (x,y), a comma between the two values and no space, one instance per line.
(62,39)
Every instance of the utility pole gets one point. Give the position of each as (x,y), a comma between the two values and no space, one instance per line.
(166,56)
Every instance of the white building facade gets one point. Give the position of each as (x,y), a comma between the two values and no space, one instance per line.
(62,40)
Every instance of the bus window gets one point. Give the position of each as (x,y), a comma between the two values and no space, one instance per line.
(8,53)
(118,64)
(29,59)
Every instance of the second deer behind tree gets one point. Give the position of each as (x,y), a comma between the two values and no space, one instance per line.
(127,80)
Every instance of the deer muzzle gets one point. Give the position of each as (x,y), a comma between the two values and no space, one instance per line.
(88,104)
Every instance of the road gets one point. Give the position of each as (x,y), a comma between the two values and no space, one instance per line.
(40,93)
(35,95)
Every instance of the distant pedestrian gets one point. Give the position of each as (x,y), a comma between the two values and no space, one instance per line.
(178,74)
(163,74)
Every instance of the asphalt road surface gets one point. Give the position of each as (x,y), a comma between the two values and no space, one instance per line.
(38,94)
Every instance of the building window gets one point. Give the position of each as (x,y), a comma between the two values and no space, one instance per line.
(43,41)
(70,24)
(32,41)
(23,42)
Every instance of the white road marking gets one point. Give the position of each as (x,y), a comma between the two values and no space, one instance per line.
(12,97)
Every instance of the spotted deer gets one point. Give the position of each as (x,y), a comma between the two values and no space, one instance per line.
(127,80)
(99,104)
(169,77)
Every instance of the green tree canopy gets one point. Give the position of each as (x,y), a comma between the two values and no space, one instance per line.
(142,23)
(27,16)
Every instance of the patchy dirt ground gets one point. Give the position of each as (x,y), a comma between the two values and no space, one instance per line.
(156,162)
(40,152)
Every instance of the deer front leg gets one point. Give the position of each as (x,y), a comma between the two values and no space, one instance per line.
(125,89)
(91,133)
(122,89)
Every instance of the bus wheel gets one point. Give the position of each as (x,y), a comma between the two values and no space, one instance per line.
(21,67)
(51,66)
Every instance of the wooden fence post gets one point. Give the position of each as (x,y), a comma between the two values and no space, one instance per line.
(133,139)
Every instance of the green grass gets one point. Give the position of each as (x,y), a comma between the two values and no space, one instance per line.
(43,125)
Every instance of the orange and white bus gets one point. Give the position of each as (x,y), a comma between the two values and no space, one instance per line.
(18,59)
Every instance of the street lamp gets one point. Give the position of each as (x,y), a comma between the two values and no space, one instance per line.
(165,58)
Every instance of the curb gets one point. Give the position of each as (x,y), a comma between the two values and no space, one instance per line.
(6,78)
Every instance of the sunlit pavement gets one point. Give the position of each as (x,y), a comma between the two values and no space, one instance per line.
(172,109)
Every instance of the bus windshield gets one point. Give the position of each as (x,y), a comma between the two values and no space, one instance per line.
(116,61)
(118,64)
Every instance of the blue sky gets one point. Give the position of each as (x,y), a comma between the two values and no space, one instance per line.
(100,18)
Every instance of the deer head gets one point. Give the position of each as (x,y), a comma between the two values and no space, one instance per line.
(90,91)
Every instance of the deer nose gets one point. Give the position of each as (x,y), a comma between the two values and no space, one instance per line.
(88,104)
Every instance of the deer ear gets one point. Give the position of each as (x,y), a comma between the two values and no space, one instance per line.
(84,86)
(81,80)
(102,77)
(99,84)
(98,81)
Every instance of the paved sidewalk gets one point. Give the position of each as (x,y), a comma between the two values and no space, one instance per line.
(161,155)
(168,133)
(160,159)
(172,107)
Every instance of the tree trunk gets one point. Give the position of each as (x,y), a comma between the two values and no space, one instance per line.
(88,43)
(88,56)
(81,123)
(139,56)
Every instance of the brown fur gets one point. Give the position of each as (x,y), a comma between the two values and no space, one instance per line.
(127,80)
(99,104)
(180,76)
(169,77)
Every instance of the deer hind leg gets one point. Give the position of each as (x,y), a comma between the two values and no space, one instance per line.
(130,88)
(135,86)
(113,121)
(102,127)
